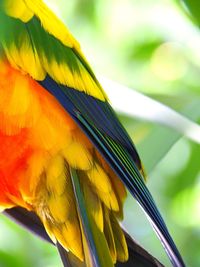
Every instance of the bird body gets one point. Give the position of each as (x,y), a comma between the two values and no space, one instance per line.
(64,154)
(40,141)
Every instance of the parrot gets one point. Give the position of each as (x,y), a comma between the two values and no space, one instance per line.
(65,157)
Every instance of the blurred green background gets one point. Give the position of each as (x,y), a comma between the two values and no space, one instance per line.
(152,46)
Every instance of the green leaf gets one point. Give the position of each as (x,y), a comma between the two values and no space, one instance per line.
(193,7)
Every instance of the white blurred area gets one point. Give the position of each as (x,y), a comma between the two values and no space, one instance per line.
(134,104)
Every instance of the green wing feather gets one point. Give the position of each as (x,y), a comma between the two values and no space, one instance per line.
(94,242)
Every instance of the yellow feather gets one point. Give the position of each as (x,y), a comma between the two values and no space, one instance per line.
(93,204)
(59,207)
(34,174)
(78,156)
(48,227)
(18,9)
(120,192)
(44,129)
(19,100)
(56,175)
(30,60)
(70,238)
(117,185)
(49,136)
(79,79)
(51,23)
(12,55)
(87,84)
(102,186)
(25,58)
(58,212)
(60,72)
(109,235)
(86,249)
(120,241)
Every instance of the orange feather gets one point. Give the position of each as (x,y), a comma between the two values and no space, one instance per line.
(39,141)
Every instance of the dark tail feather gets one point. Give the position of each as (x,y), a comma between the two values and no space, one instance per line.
(29,220)
(63,255)
(68,259)
(138,257)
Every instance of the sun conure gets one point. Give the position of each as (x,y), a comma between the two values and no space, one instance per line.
(64,155)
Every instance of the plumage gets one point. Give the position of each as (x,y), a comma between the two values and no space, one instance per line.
(137,255)
(66,157)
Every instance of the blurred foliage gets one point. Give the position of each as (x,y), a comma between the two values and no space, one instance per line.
(153,46)
(193,9)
